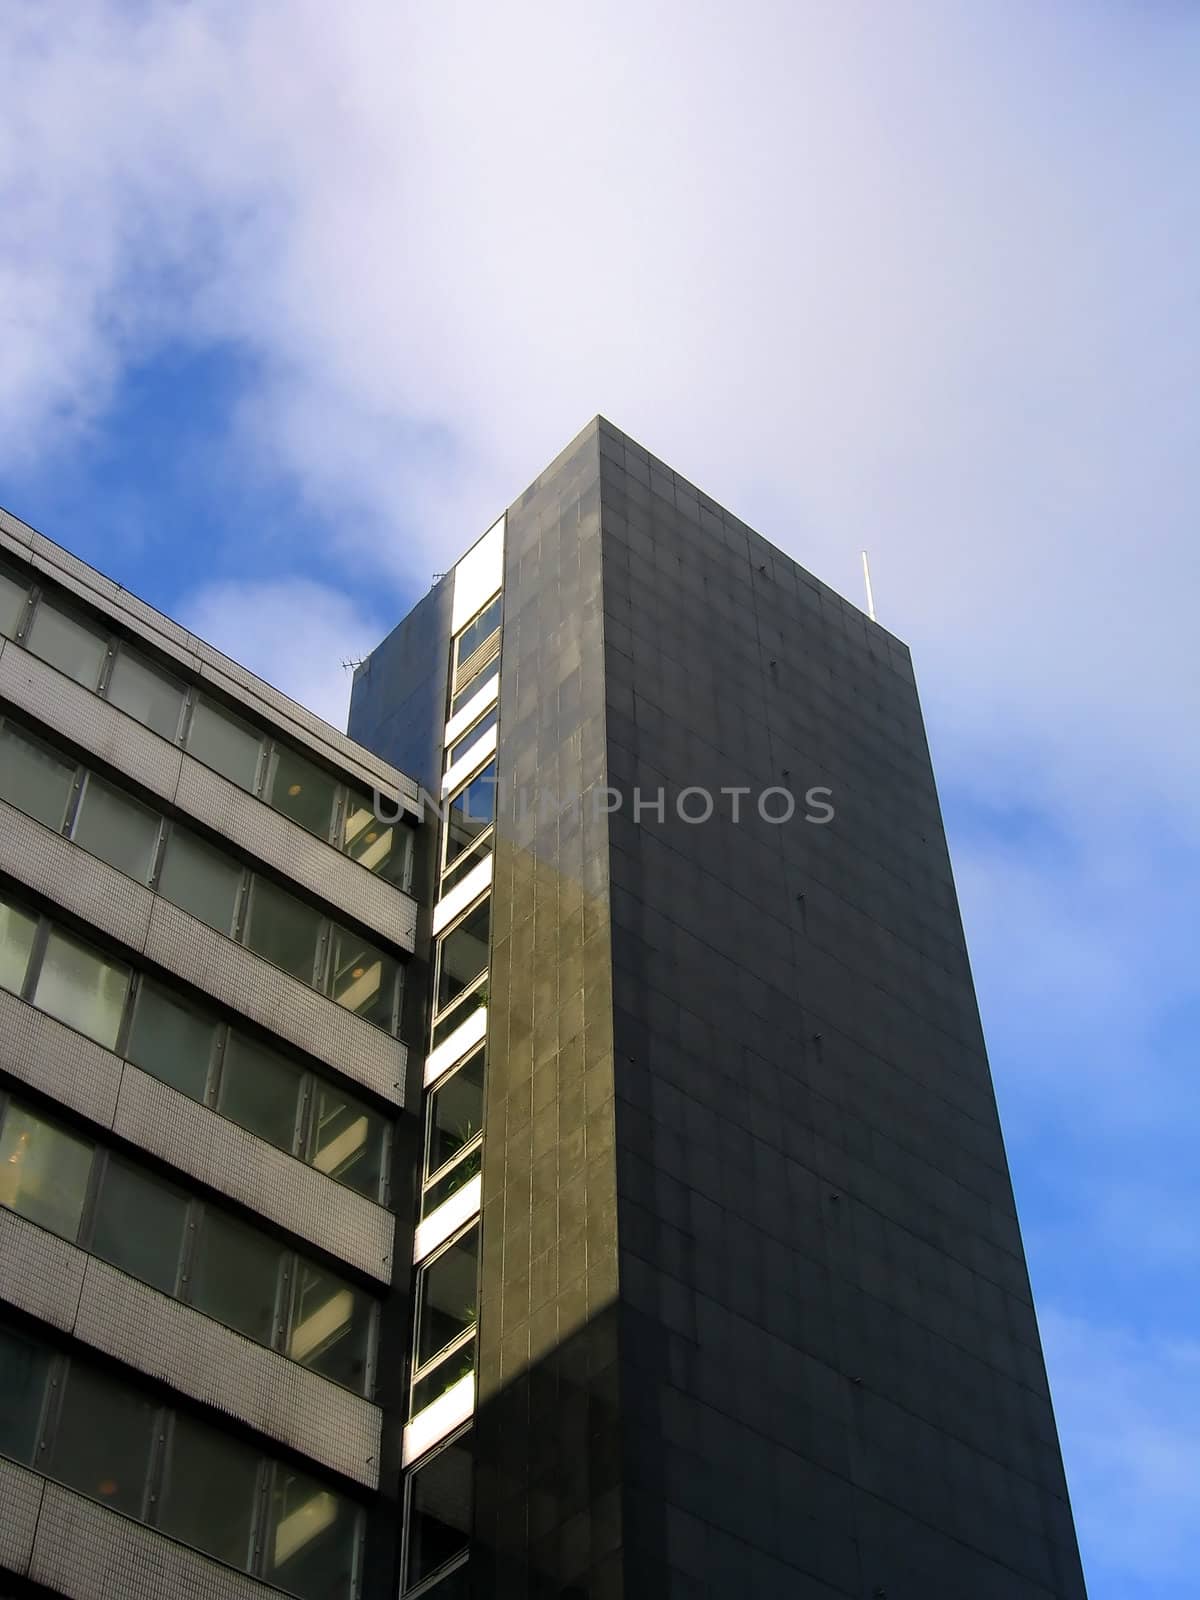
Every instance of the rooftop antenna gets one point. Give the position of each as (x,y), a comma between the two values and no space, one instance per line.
(870,596)
(353,663)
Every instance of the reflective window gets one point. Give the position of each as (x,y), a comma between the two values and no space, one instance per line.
(382,847)
(471,812)
(13,596)
(477,632)
(451,1179)
(313,1537)
(439,1511)
(235,1275)
(364,979)
(463,954)
(66,643)
(283,930)
(24,1374)
(224,743)
(453,1020)
(82,988)
(475,684)
(260,1091)
(171,1041)
(443,1374)
(461,746)
(44,1170)
(302,790)
(348,1141)
(455,1113)
(154,698)
(103,1440)
(34,778)
(331,1327)
(447,1288)
(210,1491)
(200,880)
(17,931)
(140,1224)
(466,860)
(118,829)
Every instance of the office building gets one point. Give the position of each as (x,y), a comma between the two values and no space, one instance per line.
(540,1145)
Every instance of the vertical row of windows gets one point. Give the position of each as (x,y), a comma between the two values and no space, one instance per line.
(288,781)
(191,1049)
(438,1488)
(166,1236)
(117,1444)
(208,883)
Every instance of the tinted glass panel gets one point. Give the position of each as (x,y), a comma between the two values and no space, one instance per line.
(443,1375)
(235,1275)
(481,678)
(283,930)
(471,811)
(364,979)
(82,988)
(484,725)
(24,1371)
(146,693)
(17,930)
(451,1180)
(208,1496)
(446,1295)
(381,847)
(313,1538)
(67,644)
(224,743)
(453,1020)
(348,1140)
(171,1041)
(36,780)
(466,860)
(140,1224)
(13,596)
(439,1511)
(463,954)
(200,880)
(260,1090)
(102,1442)
(455,1112)
(302,791)
(331,1327)
(44,1170)
(474,634)
(118,829)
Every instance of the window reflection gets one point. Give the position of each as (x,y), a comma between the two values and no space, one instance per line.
(463,954)
(34,778)
(44,1171)
(67,643)
(82,988)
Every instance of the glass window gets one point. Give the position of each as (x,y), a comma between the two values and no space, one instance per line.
(477,632)
(452,1179)
(67,643)
(463,954)
(117,828)
(13,595)
(313,1539)
(225,744)
(82,988)
(364,979)
(155,699)
(381,847)
(140,1224)
(200,879)
(260,1091)
(235,1275)
(17,931)
(34,778)
(302,790)
(471,811)
(461,746)
(348,1140)
(441,1375)
(24,1373)
(44,1170)
(439,1511)
(102,1441)
(331,1327)
(455,1113)
(283,930)
(474,685)
(465,860)
(446,1293)
(453,1020)
(171,1041)
(210,1491)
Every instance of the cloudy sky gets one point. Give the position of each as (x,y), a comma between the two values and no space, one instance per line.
(294,299)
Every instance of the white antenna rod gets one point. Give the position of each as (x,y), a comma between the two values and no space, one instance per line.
(870,596)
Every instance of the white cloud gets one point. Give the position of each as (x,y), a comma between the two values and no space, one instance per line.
(292,632)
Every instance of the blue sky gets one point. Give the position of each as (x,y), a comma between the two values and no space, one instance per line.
(294,303)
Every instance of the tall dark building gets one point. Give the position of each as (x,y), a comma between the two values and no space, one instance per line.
(539,1147)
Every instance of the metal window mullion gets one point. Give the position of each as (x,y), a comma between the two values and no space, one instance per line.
(106,667)
(187,1250)
(260,1530)
(184,731)
(287,1282)
(241,911)
(28,616)
(56,1383)
(216,1066)
(37,954)
(75,801)
(157,1476)
(323,965)
(85,1233)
